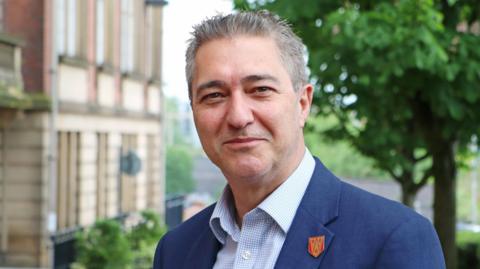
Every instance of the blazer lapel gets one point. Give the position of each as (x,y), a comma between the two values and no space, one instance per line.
(319,207)
(203,253)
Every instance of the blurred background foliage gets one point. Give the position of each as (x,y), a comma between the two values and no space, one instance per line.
(179,168)
(110,245)
(339,156)
(180,151)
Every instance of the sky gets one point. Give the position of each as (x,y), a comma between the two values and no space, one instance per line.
(179,17)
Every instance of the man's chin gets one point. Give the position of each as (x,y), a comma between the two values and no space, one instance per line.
(242,168)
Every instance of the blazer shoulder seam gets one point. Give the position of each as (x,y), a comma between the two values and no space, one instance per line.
(390,235)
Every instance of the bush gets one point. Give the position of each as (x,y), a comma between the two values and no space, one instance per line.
(103,246)
(143,239)
(468,248)
(106,245)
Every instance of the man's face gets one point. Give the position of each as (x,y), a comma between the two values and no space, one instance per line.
(249,119)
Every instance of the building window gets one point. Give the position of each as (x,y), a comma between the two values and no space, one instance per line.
(128,184)
(102,176)
(104,32)
(152,172)
(100,38)
(127,36)
(67,179)
(132,37)
(154,47)
(71,31)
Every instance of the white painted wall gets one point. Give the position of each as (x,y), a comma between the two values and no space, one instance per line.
(133,95)
(106,90)
(72,84)
(154,100)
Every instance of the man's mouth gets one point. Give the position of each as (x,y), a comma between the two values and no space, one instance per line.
(241,142)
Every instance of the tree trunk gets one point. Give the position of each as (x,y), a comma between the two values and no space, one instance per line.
(444,171)
(408,195)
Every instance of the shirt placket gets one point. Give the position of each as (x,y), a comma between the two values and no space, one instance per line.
(249,243)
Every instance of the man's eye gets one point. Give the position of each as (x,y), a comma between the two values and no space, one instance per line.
(263,90)
(212,96)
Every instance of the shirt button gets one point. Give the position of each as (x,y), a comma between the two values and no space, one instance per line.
(246,255)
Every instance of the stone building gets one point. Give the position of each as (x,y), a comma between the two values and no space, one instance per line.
(80,118)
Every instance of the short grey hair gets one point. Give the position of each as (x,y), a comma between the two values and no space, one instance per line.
(254,23)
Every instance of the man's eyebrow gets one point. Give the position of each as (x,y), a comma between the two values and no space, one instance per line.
(254,78)
(222,84)
(211,84)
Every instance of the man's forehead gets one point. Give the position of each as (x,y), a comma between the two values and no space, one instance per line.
(240,49)
(231,39)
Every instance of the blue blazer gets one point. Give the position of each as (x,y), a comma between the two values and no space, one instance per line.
(361,230)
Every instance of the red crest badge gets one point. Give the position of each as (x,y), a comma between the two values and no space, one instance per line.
(316,245)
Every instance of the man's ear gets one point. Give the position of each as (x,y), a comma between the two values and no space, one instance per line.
(305,102)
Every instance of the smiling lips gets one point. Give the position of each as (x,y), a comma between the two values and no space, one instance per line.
(241,142)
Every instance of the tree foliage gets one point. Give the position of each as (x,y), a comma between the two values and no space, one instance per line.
(338,155)
(179,154)
(403,79)
(179,177)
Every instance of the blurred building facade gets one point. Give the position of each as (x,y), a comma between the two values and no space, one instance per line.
(80,135)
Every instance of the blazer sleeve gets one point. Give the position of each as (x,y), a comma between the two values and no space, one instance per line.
(412,244)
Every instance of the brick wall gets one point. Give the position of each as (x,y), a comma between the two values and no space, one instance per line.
(24,19)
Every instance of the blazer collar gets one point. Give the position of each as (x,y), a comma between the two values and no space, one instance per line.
(203,252)
(319,207)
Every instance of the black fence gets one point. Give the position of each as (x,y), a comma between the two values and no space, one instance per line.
(64,248)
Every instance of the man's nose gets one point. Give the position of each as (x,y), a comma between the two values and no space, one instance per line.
(239,112)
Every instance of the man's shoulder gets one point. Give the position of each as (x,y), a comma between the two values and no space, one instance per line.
(354,202)
(175,246)
(351,202)
(182,236)
(193,225)
(376,207)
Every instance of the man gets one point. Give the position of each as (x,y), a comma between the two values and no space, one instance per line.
(281,207)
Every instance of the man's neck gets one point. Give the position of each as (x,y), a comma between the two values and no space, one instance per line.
(247,197)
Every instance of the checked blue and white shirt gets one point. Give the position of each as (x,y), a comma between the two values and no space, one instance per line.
(264,228)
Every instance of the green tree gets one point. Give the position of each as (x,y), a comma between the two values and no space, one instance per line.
(179,155)
(338,155)
(174,120)
(403,79)
(179,168)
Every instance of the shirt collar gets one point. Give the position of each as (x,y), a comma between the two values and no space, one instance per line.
(281,205)
(222,221)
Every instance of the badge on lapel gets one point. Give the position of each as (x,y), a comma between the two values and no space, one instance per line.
(316,245)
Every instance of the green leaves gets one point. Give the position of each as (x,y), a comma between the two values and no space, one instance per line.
(106,245)
(409,69)
(179,169)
